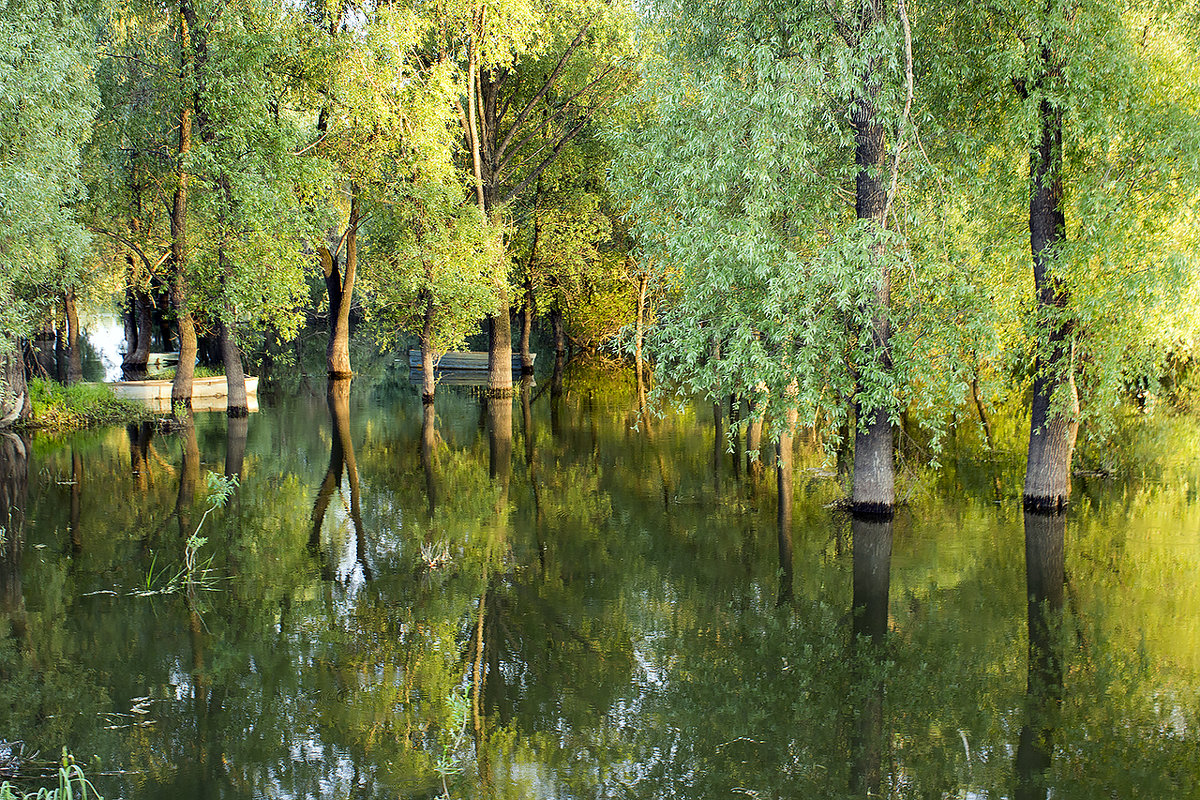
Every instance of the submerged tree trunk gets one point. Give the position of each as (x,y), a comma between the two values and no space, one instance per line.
(874,488)
(1052,431)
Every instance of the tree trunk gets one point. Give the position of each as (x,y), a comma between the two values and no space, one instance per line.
(341,295)
(560,351)
(754,461)
(428,386)
(181,389)
(786,486)
(529,308)
(639,338)
(500,380)
(874,472)
(527,312)
(74,360)
(1052,432)
(237,403)
(14,394)
(138,333)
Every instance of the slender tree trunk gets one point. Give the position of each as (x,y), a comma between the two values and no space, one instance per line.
(527,312)
(181,389)
(237,402)
(60,345)
(639,335)
(874,472)
(529,308)
(74,359)
(428,386)
(1052,432)
(560,351)
(786,485)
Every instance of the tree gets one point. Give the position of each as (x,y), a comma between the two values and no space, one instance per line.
(1085,116)
(46,109)
(536,76)
(792,289)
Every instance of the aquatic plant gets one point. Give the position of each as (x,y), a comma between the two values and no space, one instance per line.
(72,783)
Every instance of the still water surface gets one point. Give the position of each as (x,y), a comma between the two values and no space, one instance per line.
(591,609)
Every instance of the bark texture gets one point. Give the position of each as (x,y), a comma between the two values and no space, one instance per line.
(14,394)
(1052,430)
(874,489)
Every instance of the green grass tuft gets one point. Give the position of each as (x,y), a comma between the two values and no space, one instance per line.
(80,405)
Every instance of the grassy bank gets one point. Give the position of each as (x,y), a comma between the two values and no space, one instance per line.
(81,405)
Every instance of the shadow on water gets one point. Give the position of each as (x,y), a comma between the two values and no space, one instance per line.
(872,556)
(14,495)
(1045,566)
(342,464)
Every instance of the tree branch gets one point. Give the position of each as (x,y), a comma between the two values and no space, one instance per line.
(903,133)
(553,76)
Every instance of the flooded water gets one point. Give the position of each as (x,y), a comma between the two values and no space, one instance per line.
(394,604)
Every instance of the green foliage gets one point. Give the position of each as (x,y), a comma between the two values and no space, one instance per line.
(80,405)
(46,110)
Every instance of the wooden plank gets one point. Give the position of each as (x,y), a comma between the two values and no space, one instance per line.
(462,359)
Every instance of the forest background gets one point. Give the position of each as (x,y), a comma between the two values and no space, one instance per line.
(856,216)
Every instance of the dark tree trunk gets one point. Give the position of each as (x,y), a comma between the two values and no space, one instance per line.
(874,472)
(76,511)
(60,346)
(1044,581)
(237,402)
(139,332)
(560,351)
(235,444)
(528,309)
(1051,433)
(872,553)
